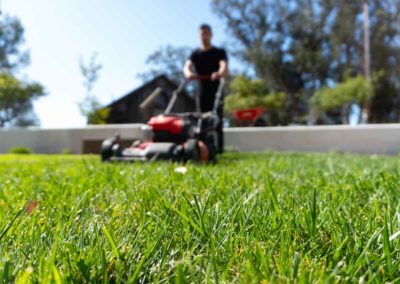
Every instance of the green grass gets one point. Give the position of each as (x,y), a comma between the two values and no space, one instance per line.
(251,218)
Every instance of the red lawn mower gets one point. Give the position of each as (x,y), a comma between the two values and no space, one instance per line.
(178,137)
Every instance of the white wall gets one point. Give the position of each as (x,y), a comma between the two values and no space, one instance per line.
(379,139)
(53,141)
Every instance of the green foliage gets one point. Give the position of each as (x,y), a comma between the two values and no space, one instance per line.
(16,98)
(90,72)
(246,93)
(12,55)
(66,151)
(90,107)
(20,150)
(251,218)
(298,46)
(99,116)
(16,95)
(352,90)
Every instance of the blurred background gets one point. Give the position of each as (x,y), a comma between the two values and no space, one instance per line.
(304,62)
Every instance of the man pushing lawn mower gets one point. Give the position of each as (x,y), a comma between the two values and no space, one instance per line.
(195,136)
(209,61)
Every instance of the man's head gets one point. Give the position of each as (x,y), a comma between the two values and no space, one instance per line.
(205,35)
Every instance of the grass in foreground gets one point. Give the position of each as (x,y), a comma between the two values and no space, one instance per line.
(274,217)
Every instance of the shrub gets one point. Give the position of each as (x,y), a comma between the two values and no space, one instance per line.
(20,150)
(66,151)
(352,90)
(246,94)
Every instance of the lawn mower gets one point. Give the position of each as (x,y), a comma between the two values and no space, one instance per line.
(178,137)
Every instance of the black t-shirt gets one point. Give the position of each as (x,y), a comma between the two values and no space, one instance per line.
(206,62)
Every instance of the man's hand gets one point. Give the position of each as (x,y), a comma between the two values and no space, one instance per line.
(222,71)
(191,75)
(188,70)
(216,76)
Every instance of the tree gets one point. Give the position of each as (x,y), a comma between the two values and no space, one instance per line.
(16,98)
(167,60)
(259,33)
(353,90)
(90,107)
(12,54)
(385,52)
(265,36)
(300,46)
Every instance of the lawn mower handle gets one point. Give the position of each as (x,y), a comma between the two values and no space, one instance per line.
(150,99)
(157,92)
(196,78)
(199,78)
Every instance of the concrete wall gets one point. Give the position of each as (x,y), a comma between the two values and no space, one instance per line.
(53,141)
(379,139)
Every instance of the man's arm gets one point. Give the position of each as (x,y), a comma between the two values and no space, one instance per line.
(188,69)
(222,71)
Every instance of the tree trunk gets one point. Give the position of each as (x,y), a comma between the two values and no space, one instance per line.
(345,113)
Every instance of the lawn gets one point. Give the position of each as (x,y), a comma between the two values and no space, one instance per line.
(251,218)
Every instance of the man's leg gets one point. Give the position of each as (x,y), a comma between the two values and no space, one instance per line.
(206,104)
(220,131)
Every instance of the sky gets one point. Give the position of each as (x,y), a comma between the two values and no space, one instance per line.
(122,33)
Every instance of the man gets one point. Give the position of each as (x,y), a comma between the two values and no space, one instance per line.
(208,61)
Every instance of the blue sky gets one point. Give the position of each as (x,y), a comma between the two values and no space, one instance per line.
(122,32)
